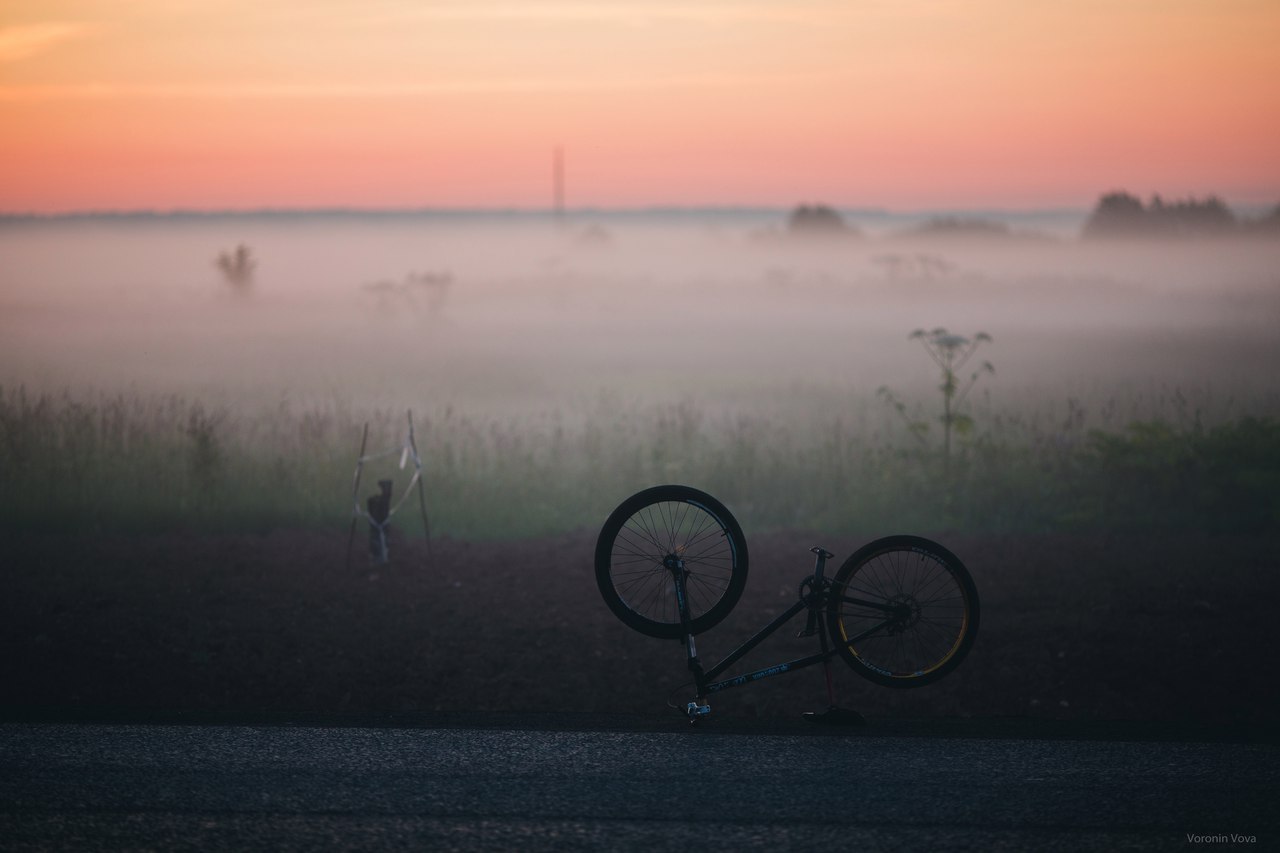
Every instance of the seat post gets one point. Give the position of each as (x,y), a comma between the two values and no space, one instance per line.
(815,595)
(820,563)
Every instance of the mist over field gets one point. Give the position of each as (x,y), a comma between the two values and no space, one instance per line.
(662,336)
(651,308)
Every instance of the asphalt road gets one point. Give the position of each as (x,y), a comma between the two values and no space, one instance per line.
(619,786)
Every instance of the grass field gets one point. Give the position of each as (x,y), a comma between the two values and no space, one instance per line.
(137,462)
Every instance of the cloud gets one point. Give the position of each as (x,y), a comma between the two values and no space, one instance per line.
(625,12)
(107,91)
(26,40)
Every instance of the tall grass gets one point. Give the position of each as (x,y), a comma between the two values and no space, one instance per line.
(131,461)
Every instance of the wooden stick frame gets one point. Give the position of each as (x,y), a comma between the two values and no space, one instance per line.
(407,449)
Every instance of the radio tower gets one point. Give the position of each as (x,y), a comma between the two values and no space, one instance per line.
(557,177)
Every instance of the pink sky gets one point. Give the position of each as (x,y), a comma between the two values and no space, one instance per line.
(163,104)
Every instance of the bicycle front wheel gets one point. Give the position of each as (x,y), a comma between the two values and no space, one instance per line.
(903,611)
(642,538)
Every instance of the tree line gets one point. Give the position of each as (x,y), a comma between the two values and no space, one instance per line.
(1119,214)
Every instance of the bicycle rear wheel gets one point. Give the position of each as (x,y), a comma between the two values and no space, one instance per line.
(652,528)
(903,611)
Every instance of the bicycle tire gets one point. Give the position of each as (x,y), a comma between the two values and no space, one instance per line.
(665,521)
(933,627)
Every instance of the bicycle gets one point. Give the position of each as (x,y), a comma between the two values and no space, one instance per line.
(671,562)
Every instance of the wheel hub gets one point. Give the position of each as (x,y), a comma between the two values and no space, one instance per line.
(906,612)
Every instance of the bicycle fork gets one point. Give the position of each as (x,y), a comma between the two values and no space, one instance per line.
(679,576)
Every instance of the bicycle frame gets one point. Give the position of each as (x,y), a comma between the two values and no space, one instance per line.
(814,602)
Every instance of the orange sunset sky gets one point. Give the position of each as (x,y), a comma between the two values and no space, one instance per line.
(236,104)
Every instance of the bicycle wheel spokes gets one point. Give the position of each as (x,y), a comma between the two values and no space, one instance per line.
(670,529)
(904,611)
(664,527)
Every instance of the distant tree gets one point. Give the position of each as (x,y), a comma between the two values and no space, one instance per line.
(1119,214)
(1192,216)
(1213,213)
(816,220)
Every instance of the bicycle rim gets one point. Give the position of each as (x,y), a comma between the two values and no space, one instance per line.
(905,611)
(653,527)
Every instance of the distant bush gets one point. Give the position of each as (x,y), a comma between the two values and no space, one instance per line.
(918,266)
(966,227)
(237,268)
(422,294)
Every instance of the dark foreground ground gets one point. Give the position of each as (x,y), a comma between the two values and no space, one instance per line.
(606,786)
(1179,628)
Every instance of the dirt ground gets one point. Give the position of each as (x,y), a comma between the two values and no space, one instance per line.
(1169,628)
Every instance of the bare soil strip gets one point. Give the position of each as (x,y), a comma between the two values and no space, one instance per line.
(1078,627)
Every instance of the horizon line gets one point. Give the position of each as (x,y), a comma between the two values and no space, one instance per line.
(338,210)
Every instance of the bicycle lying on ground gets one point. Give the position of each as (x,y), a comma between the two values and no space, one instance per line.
(671,562)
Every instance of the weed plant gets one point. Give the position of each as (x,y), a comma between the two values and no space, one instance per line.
(130,461)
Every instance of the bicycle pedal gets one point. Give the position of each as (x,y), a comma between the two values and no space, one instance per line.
(694,710)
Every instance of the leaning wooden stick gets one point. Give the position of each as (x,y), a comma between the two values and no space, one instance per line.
(422,494)
(355,491)
(426,525)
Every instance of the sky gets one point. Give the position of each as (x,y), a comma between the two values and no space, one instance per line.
(904,104)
